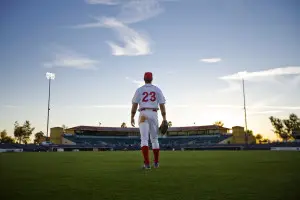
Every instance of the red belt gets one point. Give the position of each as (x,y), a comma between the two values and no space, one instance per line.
(153,109)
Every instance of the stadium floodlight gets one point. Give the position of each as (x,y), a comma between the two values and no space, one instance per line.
(49,76)
(245,112)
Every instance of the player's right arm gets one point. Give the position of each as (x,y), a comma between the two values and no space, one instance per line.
(133,111)
(135,102)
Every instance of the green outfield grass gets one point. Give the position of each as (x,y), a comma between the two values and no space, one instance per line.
(205,175)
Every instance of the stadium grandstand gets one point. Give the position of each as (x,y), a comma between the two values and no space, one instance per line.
(128,138)
(93,138)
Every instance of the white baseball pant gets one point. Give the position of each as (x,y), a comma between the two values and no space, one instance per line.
(148,125)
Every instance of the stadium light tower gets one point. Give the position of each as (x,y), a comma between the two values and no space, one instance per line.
(49,76)
(245,112)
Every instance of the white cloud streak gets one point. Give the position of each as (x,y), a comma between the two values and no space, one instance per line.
(232,86)
(179,106)
(271,75)
(131,11)
(119,106)
(265,112)
(251,110)
(282,107)
(263,74)
(256,107)
(134,43)
(9,106)
(110,106)
(138,83)
(104,2)
(211,60)
(66,58)
(139,10)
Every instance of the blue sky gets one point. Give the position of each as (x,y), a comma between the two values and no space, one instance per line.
(198,50)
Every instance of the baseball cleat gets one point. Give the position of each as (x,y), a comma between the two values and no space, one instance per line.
(146,167)
(156,165)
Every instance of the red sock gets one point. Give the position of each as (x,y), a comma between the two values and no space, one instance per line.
(145,151)
(156,155)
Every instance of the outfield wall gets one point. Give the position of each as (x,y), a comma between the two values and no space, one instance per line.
(285,149)
(10,150)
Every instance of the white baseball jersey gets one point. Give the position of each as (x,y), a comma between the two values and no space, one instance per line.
(148,96)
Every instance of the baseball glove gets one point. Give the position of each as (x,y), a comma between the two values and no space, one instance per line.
(164,127)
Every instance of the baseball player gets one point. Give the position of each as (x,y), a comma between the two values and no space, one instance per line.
(150,99)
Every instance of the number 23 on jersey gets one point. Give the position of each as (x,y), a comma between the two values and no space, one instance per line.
(146,97)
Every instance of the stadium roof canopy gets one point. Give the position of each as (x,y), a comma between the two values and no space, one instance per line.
(119,129)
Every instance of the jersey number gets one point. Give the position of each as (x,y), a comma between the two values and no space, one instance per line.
(146,94)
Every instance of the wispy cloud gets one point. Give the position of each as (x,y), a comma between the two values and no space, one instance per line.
(117,106)
(133,43)
(263,74)
(131,11)
(211,60)
(265,112)
(179,106)
(110,106)
(97,24)
(105,2)
(274,75)
(232,86)
(282,107)
(67,58)
(9,106)
(138,83)
(256,107)
(137,11)
(224,106)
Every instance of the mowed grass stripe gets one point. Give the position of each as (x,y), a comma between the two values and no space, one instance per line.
(207,175)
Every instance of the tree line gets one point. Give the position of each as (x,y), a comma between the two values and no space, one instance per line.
(283,128)
(22,134)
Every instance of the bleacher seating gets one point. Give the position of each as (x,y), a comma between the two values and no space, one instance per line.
(134,141)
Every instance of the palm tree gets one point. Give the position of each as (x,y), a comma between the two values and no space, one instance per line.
(3,134)
(38,137)
(219,123)
(123,125)
(64,127)
(249,132)
(258,137)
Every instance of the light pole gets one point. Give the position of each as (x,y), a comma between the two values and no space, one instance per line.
(49,76)
(245,112)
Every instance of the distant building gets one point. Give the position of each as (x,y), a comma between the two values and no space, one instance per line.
(239,136)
